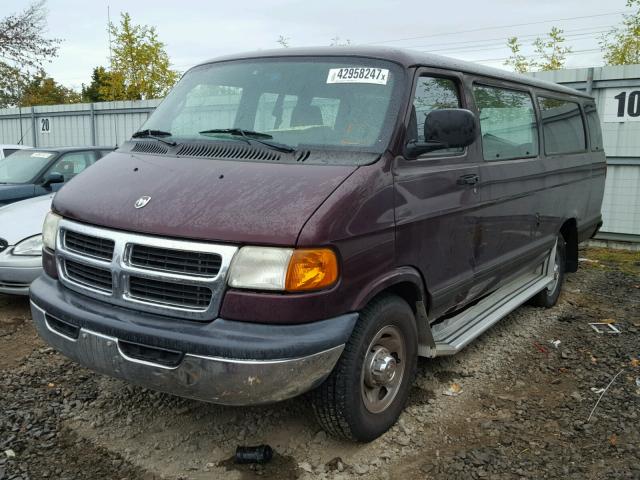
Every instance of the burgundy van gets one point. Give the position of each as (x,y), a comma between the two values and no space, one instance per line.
(316,219)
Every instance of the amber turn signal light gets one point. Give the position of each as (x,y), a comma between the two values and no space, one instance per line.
(311,269)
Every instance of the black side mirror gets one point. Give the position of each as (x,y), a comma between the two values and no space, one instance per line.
(51,178)
(445,128)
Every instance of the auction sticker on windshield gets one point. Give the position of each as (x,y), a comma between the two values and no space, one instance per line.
(358,75)
(41,155)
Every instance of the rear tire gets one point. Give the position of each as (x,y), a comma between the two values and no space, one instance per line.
(367,390)
(548,297)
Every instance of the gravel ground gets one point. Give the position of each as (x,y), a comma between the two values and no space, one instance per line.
(520,407)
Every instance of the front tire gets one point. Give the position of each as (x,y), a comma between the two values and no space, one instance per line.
(548,297)
(366,392)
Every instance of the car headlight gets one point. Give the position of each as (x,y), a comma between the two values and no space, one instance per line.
(31,246)
(50,230)
(283,269)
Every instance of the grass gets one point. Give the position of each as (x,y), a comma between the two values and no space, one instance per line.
(613,259)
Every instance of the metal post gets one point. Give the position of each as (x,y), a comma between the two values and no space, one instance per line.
(93,124)
(20,120)
(34,129)
(590,81)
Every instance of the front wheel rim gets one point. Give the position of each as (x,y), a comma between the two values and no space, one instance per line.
(383,369)
(556,274)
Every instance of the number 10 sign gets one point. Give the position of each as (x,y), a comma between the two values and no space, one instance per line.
(622,105)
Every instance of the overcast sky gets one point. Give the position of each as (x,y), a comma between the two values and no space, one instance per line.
(196,30)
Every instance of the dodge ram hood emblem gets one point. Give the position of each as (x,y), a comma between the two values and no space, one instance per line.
(142,201)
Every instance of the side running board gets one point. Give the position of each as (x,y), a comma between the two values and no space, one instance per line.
(453,334)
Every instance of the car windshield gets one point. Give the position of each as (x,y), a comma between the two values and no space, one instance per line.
(320,102)
(23,165)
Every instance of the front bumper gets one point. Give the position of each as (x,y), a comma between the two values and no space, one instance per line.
(226,362)
(17,272)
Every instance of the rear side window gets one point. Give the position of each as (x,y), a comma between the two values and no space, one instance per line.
(507,122)
(562,126)
(593,123)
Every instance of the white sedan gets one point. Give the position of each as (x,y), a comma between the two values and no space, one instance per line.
(21,243)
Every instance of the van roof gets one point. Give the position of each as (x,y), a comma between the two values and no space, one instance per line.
(406,58)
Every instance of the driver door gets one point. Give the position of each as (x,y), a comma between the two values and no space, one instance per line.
(436,198)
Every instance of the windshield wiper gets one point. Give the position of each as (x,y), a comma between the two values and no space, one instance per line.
(155,135)
(251,136)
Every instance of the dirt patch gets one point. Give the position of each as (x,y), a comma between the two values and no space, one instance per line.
(279,468)
(17,334)
(522,411)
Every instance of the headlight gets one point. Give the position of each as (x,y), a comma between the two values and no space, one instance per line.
(260,268)
(283,269)
(31,246)
(50,230)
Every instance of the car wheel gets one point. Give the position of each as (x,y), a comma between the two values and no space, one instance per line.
(369,386)
(548,297)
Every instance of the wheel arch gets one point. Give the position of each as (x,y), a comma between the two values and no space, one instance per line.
(407,283)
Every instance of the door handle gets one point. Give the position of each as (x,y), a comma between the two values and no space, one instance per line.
(470,179)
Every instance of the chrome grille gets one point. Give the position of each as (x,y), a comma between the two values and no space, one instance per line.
(179,261)
(88,245)
(177,278)
(90,276)
(179,295)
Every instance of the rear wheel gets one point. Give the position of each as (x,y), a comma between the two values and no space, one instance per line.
(368,389)
(548,297)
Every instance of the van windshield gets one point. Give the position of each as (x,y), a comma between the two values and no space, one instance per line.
(315,103)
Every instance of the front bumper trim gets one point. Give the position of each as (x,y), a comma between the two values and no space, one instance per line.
(213,379)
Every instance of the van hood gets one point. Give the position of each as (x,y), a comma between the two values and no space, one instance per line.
(198,198)
(23,219)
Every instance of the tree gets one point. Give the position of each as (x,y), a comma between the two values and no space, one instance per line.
(517,60)
(100,78)
(23,50)
(44,90)
(139,67)
(102,81)
(621,45)
(552,51)
(549,53)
